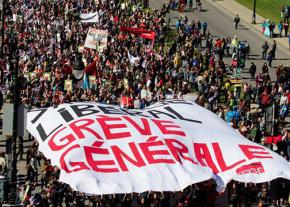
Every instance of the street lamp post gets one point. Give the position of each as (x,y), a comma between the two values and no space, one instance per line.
(13,173)
(16,95)
(12,170)
(254,12)
(2,4)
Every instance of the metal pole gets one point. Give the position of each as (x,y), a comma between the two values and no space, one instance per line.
(13,183)
(2,25)
(12,173)
(273,118)
(254,12)
(2,39)
(16,94)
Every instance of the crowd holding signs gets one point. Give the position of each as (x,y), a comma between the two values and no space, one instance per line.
(81,136)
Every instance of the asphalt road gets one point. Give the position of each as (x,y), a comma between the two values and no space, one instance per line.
(220,24)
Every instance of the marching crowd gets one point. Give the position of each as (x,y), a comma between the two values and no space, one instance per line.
(41,40)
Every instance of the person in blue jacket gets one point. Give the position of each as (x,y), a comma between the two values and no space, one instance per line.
(204,28)
(280,28)
(233,115)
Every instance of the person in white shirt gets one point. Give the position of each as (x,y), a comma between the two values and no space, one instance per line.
(283,105)
(2,160)
(283,99)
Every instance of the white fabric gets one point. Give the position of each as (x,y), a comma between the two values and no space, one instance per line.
(96,39)
(2,162)
(90,17)
(132,59)
(176,143)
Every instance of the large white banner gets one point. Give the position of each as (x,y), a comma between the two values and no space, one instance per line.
(96,39)
(89,17)
(104,149)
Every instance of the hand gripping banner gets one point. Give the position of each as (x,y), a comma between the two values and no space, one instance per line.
(104,149)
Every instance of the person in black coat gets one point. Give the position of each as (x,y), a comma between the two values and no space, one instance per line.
(252,70)
(1,100)
(273,50)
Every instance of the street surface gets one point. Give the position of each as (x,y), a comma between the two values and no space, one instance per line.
(221,25)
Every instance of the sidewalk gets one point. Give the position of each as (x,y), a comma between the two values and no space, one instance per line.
(245,15)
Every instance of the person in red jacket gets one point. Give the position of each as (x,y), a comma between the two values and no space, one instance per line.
(182,5)
(265,99)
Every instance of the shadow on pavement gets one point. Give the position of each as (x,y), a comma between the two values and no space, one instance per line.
(243,28)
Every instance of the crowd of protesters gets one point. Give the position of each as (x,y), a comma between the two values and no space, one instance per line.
(43,36)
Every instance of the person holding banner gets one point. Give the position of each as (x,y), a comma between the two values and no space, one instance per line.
(122,70)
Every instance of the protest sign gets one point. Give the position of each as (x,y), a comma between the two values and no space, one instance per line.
(90,17)
(96,39)
(166,147)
